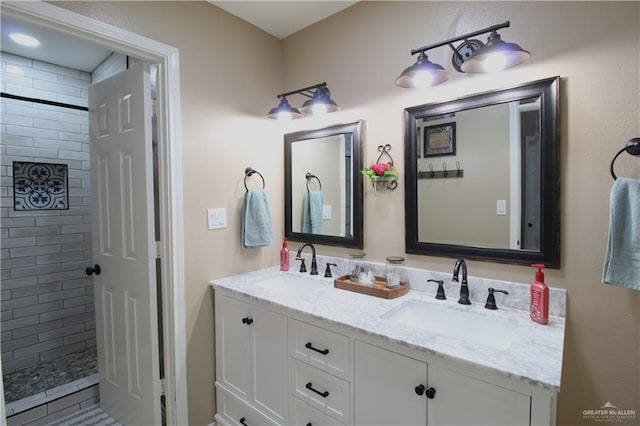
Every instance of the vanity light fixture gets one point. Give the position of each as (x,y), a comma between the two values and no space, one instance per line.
(470,56)
(319,102)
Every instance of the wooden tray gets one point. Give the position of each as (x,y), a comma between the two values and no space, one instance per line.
(379,288)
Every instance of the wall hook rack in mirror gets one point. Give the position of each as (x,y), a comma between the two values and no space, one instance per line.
(442,174)
(250,171)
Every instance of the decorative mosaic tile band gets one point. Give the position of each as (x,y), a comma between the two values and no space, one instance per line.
(40,186)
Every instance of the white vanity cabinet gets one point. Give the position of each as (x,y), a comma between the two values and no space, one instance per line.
(278,364)
(393,389)
(251,363)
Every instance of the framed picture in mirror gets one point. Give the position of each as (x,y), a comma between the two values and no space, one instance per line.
(440,140)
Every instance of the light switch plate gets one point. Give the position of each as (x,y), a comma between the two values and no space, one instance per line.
(501,207)
(326,211)
(217,218)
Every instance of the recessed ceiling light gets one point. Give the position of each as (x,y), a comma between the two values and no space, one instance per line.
(24,39)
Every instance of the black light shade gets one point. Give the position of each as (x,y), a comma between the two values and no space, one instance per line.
(423,73)
(496,55)
(284,111)
(320,103)
(470,56)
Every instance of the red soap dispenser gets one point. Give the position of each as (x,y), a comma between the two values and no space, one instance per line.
(539,297)
(284,256)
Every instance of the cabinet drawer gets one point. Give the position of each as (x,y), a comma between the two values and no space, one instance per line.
(320,390)
(236,412)
(321,348)
(304,415)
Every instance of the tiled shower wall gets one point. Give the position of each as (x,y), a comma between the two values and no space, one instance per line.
(47,301)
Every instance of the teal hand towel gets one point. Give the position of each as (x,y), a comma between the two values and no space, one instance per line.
(312,213)
(256,220)
(622,260)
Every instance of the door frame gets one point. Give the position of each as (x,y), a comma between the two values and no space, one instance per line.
(169,174)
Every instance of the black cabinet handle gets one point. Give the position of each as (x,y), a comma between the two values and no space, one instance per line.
(242,421)
(247,320)
(322,394)
(431,393)
(321,351)
(95,270)
(420,390)
(308,424)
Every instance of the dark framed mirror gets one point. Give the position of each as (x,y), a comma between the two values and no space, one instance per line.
(323,185)
(488,190)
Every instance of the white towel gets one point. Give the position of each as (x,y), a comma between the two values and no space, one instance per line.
(256,220)
(312,213)
(622,260)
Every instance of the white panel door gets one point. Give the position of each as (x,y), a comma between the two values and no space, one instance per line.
(270,354)
(385,384)
(233,345)
(466,401)
(124,247)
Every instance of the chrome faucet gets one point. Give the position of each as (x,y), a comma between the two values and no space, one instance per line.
(464,285)
(314,264)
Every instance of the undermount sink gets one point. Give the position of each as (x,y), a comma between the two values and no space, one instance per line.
(290,283)
(457,323)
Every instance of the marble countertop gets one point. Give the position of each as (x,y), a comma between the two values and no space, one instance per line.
(534,355)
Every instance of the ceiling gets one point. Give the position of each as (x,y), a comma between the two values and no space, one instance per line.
(282,18)
(278,18)
(55,47)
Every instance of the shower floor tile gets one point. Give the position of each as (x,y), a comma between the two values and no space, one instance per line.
(48,375)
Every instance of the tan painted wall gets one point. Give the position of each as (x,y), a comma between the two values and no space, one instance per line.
(594,48)
(359,52)
(230,72)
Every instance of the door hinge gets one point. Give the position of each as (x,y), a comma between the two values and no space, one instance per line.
(154,108)
(158,247)
(162,387)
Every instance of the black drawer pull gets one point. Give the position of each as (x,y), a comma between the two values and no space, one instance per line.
(321,351)
(247,320)
(242,421)
(308,424)
(322,394)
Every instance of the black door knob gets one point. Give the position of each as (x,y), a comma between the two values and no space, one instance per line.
(94,270)
(420,390)
(431,393)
